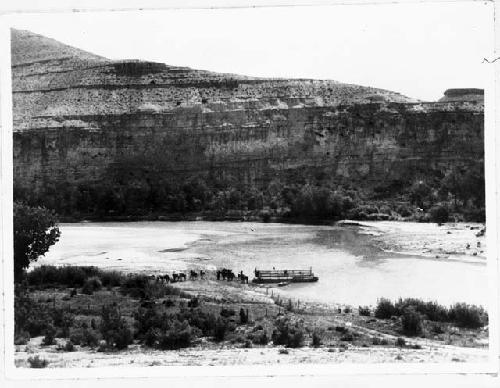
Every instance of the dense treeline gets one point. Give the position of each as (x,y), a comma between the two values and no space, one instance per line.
(459,194)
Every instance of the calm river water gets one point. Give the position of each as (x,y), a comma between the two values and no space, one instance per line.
(351,265)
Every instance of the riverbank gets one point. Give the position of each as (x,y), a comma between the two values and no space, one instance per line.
(328,334)
(452,241)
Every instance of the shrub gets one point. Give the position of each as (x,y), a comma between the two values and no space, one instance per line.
(205,322)
(21,338)
(348,337)
(69,347)
(71,276)
(91,285)
(179,336)
(226,313)
(469,316)
(411,322)
(37,362)
(169,303)
(84,337)
(364,311)
(437,329)
(259,338)
(114,329)
(400,342)
(243,317)
(288,334)
(220,329)
(111,278)
(385,309)
(50,335)
(194,302)
(63,320)
(316,338)
(439,214)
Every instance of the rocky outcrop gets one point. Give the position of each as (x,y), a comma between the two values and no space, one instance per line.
(81,121)
(464,94)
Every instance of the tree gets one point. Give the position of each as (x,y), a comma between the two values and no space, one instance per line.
(35,231)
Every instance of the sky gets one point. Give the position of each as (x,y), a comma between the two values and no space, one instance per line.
(417,49)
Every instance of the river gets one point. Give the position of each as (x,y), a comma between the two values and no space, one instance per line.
(356,265)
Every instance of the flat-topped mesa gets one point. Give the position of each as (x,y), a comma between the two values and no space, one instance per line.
(463,95)
(90,132)
(53,79)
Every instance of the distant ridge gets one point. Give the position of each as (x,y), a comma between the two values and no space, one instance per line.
(28,47)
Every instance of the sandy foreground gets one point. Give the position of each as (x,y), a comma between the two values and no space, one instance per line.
(201,356)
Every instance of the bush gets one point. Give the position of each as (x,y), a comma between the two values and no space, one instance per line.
(226,313)
(37,362)
(220,329)
(179,336)
(63,320)
(439,214)
(347,337)
(411,322)
(91,285)
(400,342)
(71,276)
(468,316)
(84,337)
(50,335)
(69,347)
(243,317)
(111,278)
(21,338)
(364,311)
(385,309)
(432,310)
(316,338)
(114,329)
(288,334)
(194,302)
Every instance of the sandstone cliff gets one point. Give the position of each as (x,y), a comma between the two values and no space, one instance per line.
(94,135)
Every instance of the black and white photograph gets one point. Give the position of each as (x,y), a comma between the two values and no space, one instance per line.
(250,187)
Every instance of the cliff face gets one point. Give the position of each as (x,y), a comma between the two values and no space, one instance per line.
(81,122)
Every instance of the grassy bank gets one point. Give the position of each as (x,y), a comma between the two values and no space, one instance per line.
(78,308)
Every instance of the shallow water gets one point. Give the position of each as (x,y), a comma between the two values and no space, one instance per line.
(351,265)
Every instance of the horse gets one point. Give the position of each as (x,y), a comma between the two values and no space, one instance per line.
(230,275)
(202,274)
(175,277)
(243,278)
(193,275)
(163,278)
(182,276)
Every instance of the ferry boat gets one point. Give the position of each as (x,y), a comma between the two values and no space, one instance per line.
(284,276)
